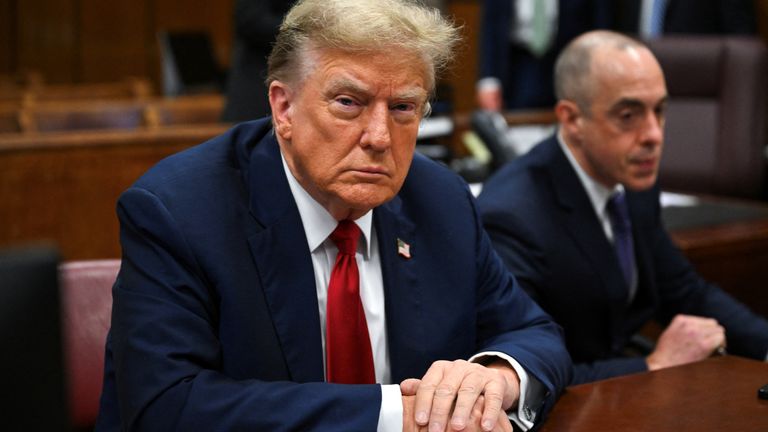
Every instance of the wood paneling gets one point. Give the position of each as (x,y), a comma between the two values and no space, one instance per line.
(63,187)
(463,75)
(7,37)
(113,40)
(47,38)
(73,41)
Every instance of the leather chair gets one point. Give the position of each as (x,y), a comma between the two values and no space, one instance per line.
(86,296)
(716,119)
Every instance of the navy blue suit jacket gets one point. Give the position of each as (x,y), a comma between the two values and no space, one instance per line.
(543,225)
(215,319)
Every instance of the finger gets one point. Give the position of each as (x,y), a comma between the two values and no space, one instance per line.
(426,391)
(494,397)
(504,424)
(477,410)
(445,396)
(470,388)
(717,338)
(409,386)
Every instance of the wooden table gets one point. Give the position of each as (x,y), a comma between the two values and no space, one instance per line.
(717,394)
(727,242)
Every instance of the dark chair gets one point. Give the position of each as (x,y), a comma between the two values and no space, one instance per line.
(716,120)
(86,296)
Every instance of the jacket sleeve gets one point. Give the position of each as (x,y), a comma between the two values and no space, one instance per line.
(683,290)
(531,337)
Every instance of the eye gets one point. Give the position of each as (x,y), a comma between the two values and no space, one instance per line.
(345,107)
(626,116)
(346,101)
(404,107)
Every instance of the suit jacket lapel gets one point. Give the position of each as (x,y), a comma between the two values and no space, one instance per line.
(403,302)
(583,225)
(280,252)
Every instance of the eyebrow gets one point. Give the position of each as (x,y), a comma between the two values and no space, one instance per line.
(636,103)
(346,84)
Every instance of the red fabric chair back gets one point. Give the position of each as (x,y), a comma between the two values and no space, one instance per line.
(86,295)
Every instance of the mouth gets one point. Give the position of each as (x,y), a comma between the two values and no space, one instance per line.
(645,163)
(371,172)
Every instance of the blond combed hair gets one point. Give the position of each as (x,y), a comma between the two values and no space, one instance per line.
(361,26)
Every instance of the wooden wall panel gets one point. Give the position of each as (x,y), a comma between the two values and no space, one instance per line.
(464,73)
(47,38)
(7,36)
(113,39)
(72,41)
(63,188)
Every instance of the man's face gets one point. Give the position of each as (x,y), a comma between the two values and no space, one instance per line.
(348,132)
(621,137)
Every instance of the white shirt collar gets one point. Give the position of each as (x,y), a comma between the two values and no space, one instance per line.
(598,194)
(318,223)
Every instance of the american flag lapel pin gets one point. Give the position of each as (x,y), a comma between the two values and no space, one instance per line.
(404,249)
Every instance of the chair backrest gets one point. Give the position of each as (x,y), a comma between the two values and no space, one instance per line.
(132,88)
(86,296)
(184,110)
(9,118)
(68,116)
(716,119)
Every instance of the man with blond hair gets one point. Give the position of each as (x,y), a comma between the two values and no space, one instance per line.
(309,272)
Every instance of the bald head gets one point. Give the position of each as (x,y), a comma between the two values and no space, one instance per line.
(575,69)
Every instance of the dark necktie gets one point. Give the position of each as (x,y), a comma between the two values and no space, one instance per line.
(618,212)
(349,359)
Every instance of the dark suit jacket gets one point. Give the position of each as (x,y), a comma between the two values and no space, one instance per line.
(526,79)
(215,319)
(543,225)
(693,16)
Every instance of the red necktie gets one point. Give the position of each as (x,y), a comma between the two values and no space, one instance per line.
(347,346)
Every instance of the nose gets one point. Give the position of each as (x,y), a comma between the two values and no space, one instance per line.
(653,132)
(377,133)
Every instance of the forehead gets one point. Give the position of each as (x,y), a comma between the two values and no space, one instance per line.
(620,73)
(370,71)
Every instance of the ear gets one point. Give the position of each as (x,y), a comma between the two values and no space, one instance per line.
(570,117)
(281,101)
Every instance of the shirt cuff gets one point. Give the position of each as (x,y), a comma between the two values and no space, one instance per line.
(524,416)
(391,412)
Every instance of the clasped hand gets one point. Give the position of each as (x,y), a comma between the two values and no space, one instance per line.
(460,396)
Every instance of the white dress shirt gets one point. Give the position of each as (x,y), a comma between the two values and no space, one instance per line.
(318,226)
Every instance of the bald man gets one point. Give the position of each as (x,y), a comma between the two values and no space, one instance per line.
(578,222)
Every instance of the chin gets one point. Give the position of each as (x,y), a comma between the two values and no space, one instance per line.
(368,197)
(640,184)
